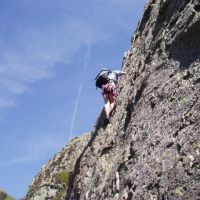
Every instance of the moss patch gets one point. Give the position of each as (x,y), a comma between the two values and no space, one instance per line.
(63,177)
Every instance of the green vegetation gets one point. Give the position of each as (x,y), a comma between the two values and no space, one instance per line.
(63,177)
(5,196)
(9,198)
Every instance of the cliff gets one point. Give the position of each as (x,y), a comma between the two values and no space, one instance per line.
(52,181)
(151,149)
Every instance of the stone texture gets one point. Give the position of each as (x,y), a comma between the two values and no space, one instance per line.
(151,149)
(52,181)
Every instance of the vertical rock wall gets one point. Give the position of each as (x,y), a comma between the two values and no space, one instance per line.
(151,149)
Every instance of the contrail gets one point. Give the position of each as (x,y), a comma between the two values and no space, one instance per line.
(75,110)
(85,66)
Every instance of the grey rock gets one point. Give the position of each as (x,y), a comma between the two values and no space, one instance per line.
(151,148)
(52,181)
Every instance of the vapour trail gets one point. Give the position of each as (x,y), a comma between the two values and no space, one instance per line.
(85,66)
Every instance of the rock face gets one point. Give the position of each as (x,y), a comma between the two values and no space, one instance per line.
(151,149)
(52,181)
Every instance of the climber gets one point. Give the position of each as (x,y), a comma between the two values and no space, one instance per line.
(107,80)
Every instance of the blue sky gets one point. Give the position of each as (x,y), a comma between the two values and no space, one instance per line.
(50,53)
